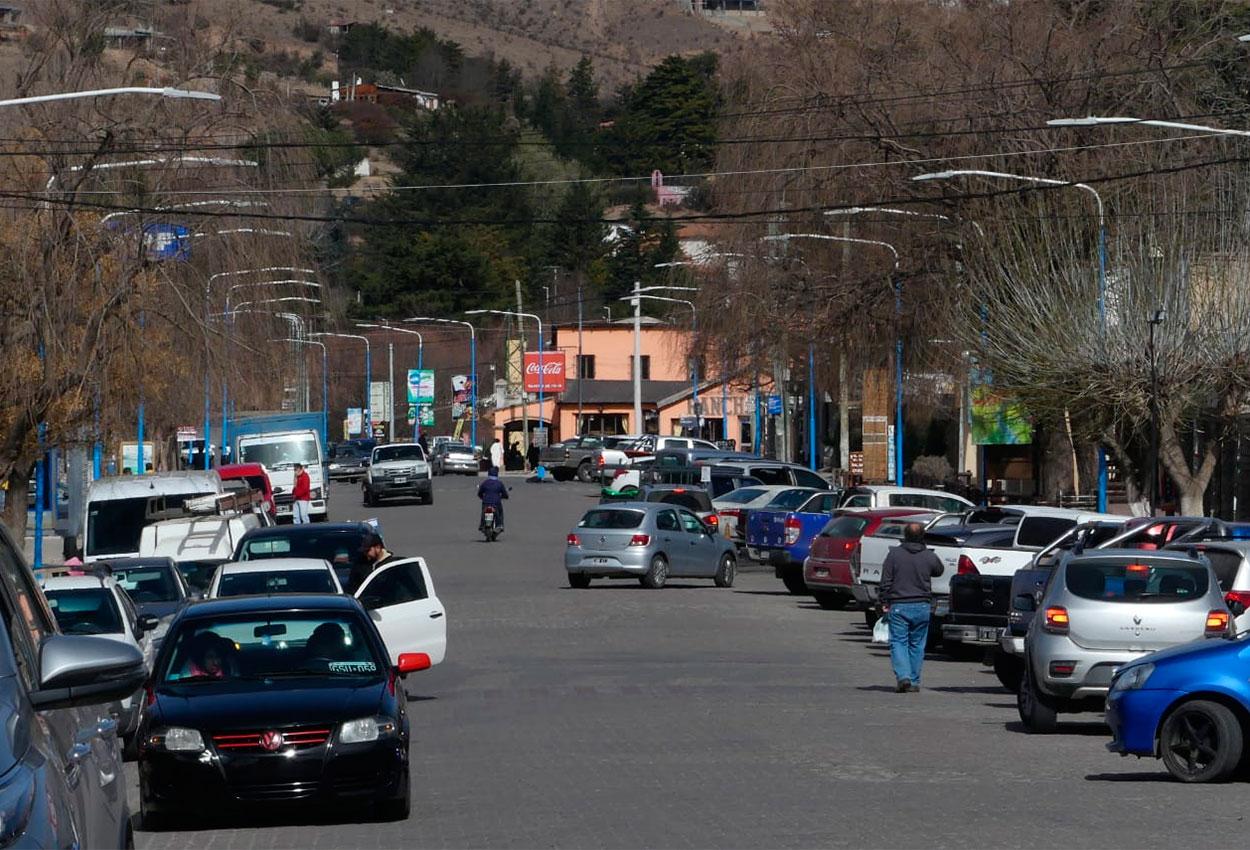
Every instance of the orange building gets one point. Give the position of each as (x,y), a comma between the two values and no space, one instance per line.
(599,392)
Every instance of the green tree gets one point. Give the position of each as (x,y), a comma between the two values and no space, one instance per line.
(648,242)
(668,120)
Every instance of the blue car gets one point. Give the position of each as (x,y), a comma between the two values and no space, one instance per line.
(1187,705)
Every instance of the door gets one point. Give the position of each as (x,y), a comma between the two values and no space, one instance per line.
(671,540)
(400,599)
(702,549)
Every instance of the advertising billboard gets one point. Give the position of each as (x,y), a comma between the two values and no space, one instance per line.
(552,372)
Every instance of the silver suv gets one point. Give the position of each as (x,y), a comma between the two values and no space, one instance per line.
(1104,608)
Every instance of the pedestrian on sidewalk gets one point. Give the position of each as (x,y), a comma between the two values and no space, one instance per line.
(907,597)
(533,455)
(496,454)
(301,496)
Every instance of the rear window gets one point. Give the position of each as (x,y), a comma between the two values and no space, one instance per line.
(612,519)
(1225,563)
(742,495)
(771,474)
(1042,530)
(809,479)
(789,500)
(286,581)
(723,484)
(844,526)
(1140,580)
(85,612)
(691,501)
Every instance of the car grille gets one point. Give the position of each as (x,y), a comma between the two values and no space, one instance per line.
(301,738)
(276,791)
(282,499)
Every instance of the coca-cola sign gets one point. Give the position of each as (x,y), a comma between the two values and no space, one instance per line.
(552,372)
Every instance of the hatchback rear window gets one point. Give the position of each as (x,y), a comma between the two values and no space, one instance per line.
(742,495)
(1139,580)
(844,526)
(1042,530)
(690,501)
(789,500)
(612,519)
(1225,563)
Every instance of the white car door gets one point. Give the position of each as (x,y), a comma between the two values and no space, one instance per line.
(400,599)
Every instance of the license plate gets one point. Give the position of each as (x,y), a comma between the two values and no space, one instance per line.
(987,634)
(284,509)
(600,561)
(400,480)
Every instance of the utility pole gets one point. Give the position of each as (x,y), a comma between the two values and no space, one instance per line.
(525,397)
(844,390)
(580,377)
(638,423)
(390,391)
(1152,488)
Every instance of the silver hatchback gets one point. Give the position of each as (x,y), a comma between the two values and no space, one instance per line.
(1103,608)
(647,541)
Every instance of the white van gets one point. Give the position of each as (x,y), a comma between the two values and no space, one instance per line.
(120,506)
(198,544)
(279,452)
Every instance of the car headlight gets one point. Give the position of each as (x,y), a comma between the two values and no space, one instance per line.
(1132,678)
(316,493)
(365,729)
(178,739)
(17,799)
(335,466)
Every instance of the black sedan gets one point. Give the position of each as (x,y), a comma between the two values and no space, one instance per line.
(337,543)
(268,701)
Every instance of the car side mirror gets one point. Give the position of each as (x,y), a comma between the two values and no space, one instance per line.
(147,623)
(413,662)
(1237,607)
(277,490)
(1024,602)
(78,670)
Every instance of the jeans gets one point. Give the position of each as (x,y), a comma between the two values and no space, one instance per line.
(909,630)
(299,512)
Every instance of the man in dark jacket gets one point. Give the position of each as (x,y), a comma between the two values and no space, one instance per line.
(371,556)
(907,596)
(492,492)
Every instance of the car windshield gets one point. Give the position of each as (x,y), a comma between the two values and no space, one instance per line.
(612,519)
(271,645)
(279,581)
(789,500)
(280,453)
(1138,580)
(844,526)
(385,453)
(340,548)
(89,611)
(147,584)
(742,495)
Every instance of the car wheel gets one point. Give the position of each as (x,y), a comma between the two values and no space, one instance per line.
(1009,670)
(366,497)
(657,573)
(428,498)
(830,601)
(1036,712)
(726,572)
(794,582)
(1201,741)
(150,821)
(583,472)
(579,580)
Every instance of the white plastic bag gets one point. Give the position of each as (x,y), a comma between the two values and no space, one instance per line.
(881,631)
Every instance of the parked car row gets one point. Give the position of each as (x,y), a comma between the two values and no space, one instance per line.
(1143,620)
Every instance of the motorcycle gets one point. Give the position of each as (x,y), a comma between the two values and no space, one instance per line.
(489,530)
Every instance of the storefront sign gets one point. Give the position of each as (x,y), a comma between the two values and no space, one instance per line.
(552,372)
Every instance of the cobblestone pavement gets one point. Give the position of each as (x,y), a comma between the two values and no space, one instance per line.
(704,717)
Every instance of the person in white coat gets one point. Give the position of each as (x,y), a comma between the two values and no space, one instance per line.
(496,454)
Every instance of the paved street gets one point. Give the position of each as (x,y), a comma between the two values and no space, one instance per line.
(702,717)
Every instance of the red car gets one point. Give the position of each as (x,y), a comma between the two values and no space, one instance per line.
(255,475)
(827,570)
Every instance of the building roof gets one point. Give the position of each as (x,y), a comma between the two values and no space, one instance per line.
(619,392)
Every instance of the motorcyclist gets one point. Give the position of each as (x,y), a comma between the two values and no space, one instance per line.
(492,492)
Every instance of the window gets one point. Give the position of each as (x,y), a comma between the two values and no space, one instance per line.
(1225,563)
(788,500)
(90,611)
(861,501)
(284,581)
(586,367)
(1141,580)
(409,452)
(742,495)
(27,617)
(692,523)
(845,526)
(944,503)
(646,367)
(685,500)
(612,519)
(281,453)
(147,584)
(1041,530)
(666,521)
(772,474)
(395,585)
(807,478)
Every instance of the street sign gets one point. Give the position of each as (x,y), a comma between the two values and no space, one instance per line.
(774,405)
(379,401)
(420,386)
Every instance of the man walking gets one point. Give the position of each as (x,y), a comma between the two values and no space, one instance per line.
(907,597)
(496,454)
(301,496)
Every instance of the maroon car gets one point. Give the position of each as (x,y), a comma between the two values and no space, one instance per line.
(827,570)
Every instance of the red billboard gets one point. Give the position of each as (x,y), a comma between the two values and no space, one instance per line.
(552,371)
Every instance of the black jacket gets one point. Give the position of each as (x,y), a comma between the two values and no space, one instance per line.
(363,568)
(908,573)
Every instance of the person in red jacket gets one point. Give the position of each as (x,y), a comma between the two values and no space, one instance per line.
(301,494)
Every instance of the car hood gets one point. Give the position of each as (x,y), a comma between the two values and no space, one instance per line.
(1197,650)
(15,731)
(251,703)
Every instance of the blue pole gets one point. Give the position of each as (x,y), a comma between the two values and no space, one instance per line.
(208,423)
(755,424)
(898,383)
(225,426)
(97,449)
(325,401)
(473,386)
(1102,316)
(540,383)
(416,422)
(811,406)
(724,401)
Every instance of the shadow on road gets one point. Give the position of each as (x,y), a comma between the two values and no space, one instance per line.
(765,592)
(1159,776)
(1087,729)
(253,819)
(968,689)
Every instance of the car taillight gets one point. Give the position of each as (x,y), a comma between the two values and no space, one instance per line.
(1056,621)
(573,540)
(855,562)
(792,530)
(1242,596)
(732,512)
(714,521)
(640,540)
(966,567)
(600,462)
(1217,623)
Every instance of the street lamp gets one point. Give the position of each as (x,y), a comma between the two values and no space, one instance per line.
(472,365)
(287,282)
(172,93)
(541,375)
(637,376)
(1102,255)
(366,424)
(1156,318)
(897,285)
(694,330)
(325,390)
(420,357)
